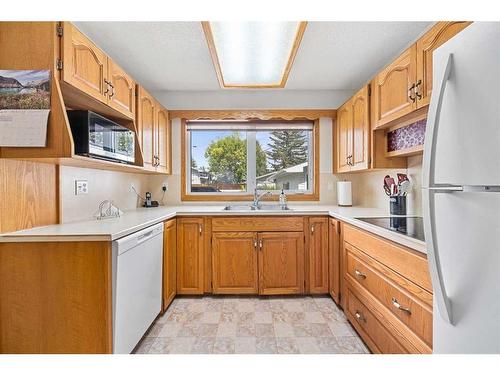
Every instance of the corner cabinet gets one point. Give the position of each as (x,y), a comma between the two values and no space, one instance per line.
(153,126)
(169,262)
(190,255)
(353,133)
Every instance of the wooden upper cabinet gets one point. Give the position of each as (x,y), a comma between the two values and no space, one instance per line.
(122,95)
(85,65)
(169,262)
(234,263)
(344,138)
(360,104)
(281,263)
(435,37)
(190,255)
(318,255)
(334,259)
(146,112)
(393,88)
(164,142)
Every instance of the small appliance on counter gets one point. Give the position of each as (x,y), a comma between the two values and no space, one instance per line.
(397,193)
(148,202)
(97,137)
(344,193)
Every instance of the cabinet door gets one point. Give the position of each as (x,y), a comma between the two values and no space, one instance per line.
(360,130)
(281,263)
(164,143)
(146,127)
(234,263)
(85,65)
(122,95)
(318,255)
(334,259)
(169,262)
(435,37)
(190,250)
(393,98)
(344,138)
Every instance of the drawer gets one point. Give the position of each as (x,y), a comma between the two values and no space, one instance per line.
(374,333)
(258,224)
(388,288)
(408,263)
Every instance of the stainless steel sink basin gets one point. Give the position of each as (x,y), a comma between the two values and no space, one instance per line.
(248,207)
(239,207)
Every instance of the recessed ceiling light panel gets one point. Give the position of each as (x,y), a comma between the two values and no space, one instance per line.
(253,54)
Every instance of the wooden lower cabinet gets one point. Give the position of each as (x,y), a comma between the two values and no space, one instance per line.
(169,262)
(334,259)
(234,263)
(190,255)
(317,262)
(281,263)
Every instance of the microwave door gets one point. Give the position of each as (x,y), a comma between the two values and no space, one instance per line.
(100,141)
(124,145)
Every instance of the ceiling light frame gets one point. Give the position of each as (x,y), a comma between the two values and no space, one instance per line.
(284,76)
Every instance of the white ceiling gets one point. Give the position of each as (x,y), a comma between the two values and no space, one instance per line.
(173,56)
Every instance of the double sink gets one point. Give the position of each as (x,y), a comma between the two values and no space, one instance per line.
(250,207)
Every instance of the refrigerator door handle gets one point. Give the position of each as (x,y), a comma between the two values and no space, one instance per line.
(428,195)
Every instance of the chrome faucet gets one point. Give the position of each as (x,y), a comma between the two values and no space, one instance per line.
(257,197)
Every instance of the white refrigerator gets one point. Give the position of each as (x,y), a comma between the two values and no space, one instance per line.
(461,191)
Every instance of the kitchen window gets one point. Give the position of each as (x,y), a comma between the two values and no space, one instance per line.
(227,160)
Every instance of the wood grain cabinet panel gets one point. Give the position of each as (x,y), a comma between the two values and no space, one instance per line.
(435,37)
(334,259)
(163,140)
(234,263)
(318,255)
(281,263)
(344,138)
(169,262)
(146,127)
(85,65)
(394,96)
(190,255)
(360,104)
(122,95)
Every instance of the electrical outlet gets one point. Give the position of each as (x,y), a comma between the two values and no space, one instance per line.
(81,187)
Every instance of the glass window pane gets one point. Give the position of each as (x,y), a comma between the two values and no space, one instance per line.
(218,161)
(282,158)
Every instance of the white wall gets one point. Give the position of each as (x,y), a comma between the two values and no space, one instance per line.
(252,99)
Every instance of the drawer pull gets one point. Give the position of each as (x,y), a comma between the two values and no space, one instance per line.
(359,317)
(360,274)
(397,305)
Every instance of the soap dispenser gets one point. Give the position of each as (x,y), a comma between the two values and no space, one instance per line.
(282,199)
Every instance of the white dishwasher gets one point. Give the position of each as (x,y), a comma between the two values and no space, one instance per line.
(137,285)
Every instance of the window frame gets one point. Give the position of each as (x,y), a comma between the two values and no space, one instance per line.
(186,195)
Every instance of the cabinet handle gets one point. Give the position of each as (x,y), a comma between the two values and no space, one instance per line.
(359,317)
(418,91)
(411,93)
(398,306)
(112,90)
(312,228)
(200,227)
(260,244)
(359,274)
(255,244)
(107,86)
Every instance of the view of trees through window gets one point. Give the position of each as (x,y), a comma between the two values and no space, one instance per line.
(240,160)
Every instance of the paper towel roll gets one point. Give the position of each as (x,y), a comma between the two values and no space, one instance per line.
(344,193)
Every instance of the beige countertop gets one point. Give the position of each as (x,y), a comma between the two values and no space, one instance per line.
(140,218)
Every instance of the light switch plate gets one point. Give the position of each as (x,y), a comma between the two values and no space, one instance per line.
(81,187)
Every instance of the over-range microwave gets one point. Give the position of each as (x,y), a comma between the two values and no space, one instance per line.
(96,136)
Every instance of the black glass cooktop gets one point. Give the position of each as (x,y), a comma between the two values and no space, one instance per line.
(409,226)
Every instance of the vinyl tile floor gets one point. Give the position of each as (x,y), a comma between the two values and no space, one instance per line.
(252,325)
